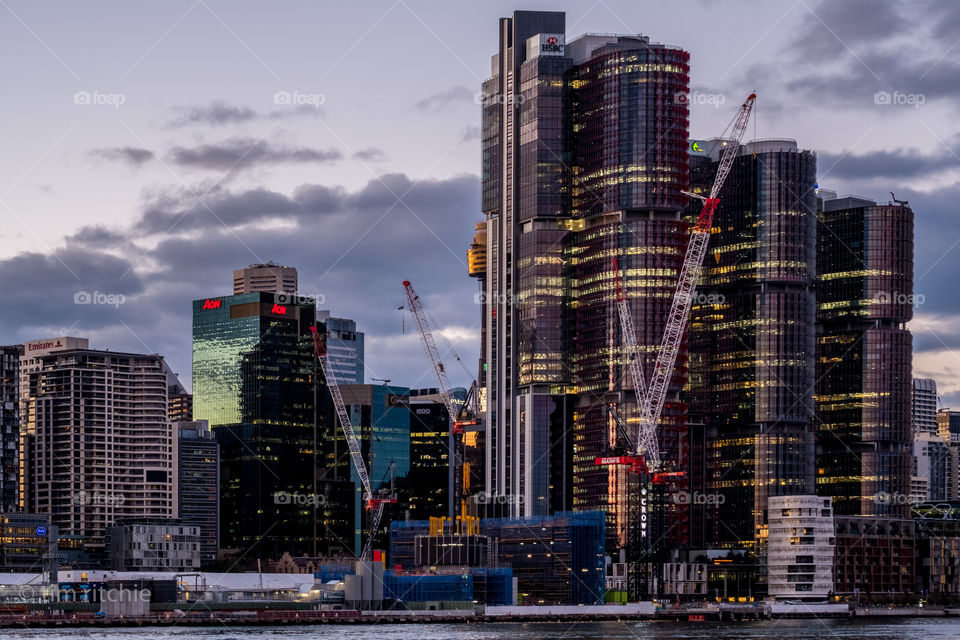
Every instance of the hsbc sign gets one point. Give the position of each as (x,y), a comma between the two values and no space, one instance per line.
(551,44)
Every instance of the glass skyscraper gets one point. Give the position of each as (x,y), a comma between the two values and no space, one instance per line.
(254,375)
(584,148)
(752,336)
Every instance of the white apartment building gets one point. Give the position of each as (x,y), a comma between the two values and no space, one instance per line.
(800,547)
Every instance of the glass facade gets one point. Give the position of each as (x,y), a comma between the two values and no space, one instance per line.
(864,356)
(254,382)
(9,425)
(752,336)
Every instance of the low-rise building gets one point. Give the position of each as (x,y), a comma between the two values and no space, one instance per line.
(874,556)
(154,545)
(800,547)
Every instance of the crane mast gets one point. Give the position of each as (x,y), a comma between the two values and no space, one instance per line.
(648,441)
(456,428)
(652,406)
(374,503)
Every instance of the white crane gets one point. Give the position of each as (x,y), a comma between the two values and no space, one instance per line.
(373,502)
(651,405)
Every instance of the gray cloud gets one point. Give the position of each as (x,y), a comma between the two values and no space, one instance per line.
(469,134)
(221,113)
(901,164)
(239,153)
(133,156)
(370,154)
(438,101)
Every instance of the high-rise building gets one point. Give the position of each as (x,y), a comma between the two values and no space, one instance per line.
(752,337)
(380,415)
(948,425)
(9,425)
(268,277)
(179,400)
(931,475)
(800,548)
(431,473)
(864,356)
(924,405)
(198,467)
(344,348)
(584,158)
(95,442)
(254,382)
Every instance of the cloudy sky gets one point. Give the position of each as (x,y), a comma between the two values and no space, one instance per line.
(151,148)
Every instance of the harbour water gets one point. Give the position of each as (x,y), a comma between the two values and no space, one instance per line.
(782,629)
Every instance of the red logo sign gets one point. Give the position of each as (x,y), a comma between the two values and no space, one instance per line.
(212,304)
(279,310)
(552,40)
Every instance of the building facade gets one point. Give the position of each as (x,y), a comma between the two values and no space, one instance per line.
(924,405)
(95,442)
(875,556)
(255,383)
(9,425)
(267,277)
(800,547)
(198,468)
(344,348)
(584,157)
(864,356)
(143,544)
(752,336)
(24,541)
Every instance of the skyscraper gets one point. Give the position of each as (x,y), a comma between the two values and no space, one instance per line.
(344,348)
(752,335)
(924,405)
(254,382)
(267,277)
(9,425)
(864,356)
(198,467)
(584,157)
(95,442)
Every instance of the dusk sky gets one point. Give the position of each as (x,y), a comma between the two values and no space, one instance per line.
(151,148)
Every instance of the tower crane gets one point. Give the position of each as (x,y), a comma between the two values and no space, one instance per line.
(651,404)
(440,373)
(374,502)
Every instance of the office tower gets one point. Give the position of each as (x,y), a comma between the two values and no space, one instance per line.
(254,377)
(380,415)
(864,356)
(9,425)
(948,430)
(268,277)
(924,405)
(948,425)
(752,336)
(931,475)
(431,474)
(198,467)
(22,547)
(344,348)
(584,157)
(95,442)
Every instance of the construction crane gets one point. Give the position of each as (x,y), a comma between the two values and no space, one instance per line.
(651,405)
(374,502)
(440,373)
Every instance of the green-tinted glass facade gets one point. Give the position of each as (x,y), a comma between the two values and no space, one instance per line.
(253,380)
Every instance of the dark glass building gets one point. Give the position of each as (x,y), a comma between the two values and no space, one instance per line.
(198,464)
(752,337)
(864,356)
(9,425)
(254,380)
(584,157)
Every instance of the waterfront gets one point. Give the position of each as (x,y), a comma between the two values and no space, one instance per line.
(808,629)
